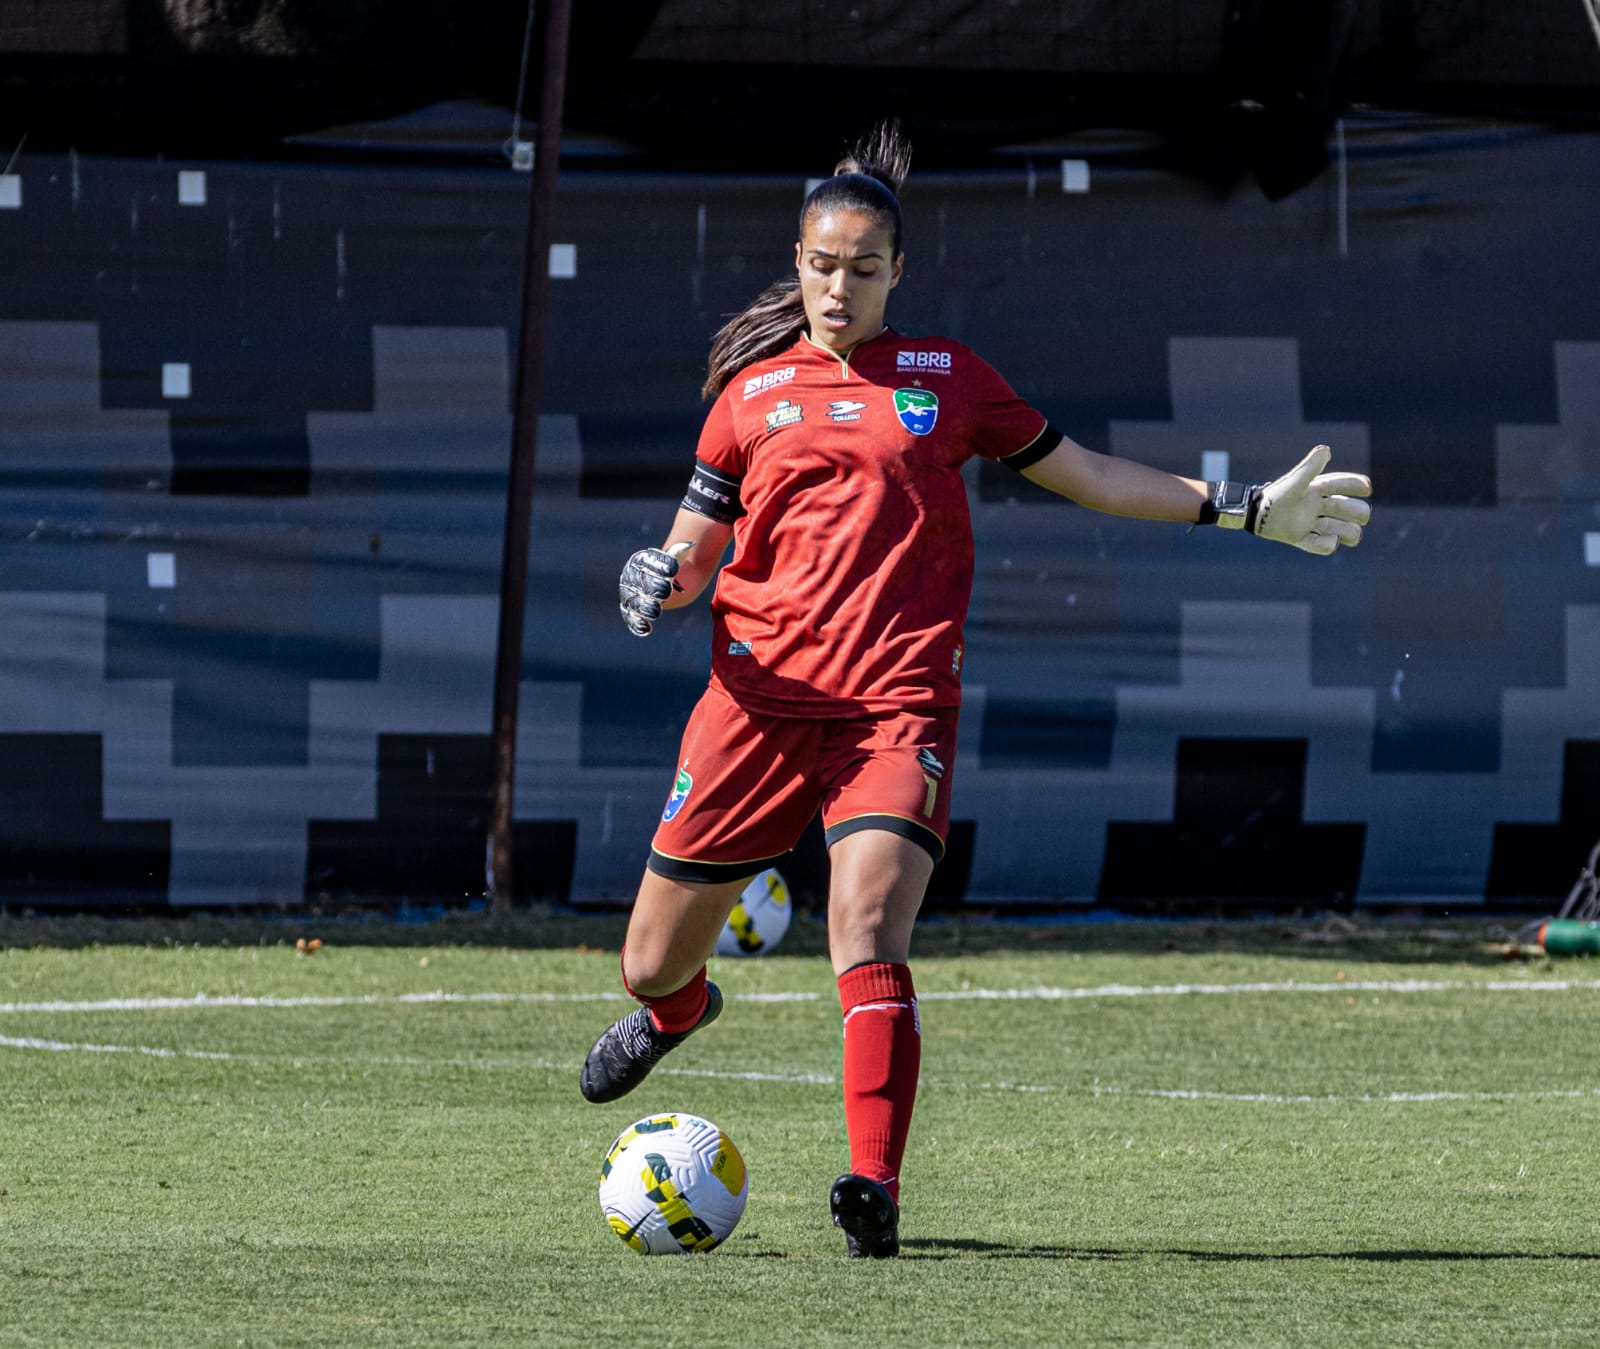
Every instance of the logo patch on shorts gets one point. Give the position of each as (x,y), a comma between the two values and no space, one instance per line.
(917,409)
(930,762)
(682,785)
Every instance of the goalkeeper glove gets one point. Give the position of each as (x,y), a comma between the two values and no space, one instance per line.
(1305,508)
(646,580)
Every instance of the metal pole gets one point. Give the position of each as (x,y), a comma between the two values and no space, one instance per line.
(524,441)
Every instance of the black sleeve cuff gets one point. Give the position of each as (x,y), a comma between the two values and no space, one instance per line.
(1031,453)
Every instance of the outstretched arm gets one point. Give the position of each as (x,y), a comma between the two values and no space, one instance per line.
(1306,508)
(1118,486)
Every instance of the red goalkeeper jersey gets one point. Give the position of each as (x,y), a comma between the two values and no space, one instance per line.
(852,565)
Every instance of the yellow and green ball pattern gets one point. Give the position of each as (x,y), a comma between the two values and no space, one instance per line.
(673,1184)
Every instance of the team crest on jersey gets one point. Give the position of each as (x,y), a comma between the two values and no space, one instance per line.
(845,410)
(936,362)
(785,414)
(917,409)
(681,787)
(761,383)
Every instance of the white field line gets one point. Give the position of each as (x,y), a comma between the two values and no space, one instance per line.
(1371,1098)
(387,1061)
(69,1047)
(1289,986)
(1159,1093)
(437,997)
(826,1079)
(201,1001)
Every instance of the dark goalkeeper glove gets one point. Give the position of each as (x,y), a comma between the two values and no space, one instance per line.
(646,580)
(1305,508)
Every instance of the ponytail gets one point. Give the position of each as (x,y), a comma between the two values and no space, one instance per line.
(885,154)
(868,179)
(768,324)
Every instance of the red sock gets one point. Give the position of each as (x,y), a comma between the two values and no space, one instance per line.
(679,1010)
(882,1056)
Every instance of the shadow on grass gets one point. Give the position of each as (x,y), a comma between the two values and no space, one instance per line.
(933,1248)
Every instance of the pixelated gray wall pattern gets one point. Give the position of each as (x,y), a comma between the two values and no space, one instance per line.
(253,454)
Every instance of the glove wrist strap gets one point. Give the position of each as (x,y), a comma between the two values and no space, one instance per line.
(1231,505)
(1252,513)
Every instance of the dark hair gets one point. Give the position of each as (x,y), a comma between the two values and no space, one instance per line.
(868,179)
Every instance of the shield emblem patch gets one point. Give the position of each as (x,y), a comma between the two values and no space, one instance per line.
(917,409)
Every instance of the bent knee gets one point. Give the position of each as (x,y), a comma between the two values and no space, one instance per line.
(654,978)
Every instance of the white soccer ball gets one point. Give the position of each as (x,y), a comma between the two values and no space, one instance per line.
(673,1184)
(759,919)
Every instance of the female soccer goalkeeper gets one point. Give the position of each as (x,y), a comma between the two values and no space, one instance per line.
(832,459)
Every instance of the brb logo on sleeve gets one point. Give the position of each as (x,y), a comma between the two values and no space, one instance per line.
(917,410)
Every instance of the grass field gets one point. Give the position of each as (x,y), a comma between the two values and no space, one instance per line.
(1127,1134)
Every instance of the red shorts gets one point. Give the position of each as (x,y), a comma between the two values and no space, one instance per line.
(748,785)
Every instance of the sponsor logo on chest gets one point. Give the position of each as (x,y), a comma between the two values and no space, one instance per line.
(932,362)
(845,410)
(761,383)
(785,414)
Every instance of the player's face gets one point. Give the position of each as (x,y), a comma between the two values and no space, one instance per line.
(846,274)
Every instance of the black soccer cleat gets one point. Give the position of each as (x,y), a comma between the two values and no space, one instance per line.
(869,1216)
(628,1049)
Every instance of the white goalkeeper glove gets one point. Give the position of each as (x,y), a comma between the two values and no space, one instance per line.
(1305,508)
(646,580)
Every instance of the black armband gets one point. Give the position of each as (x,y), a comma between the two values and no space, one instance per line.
(1035,450)
(713,493)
